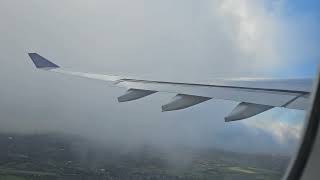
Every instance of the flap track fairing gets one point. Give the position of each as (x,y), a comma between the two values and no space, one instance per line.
(245,110)
(133,94)
(182,101)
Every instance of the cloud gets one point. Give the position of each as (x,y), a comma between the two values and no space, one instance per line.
(275,131)
(282,131)
(285,128)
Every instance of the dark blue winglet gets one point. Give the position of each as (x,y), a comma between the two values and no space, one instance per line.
(41,62)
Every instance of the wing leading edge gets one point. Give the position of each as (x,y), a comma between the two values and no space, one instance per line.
(255,95)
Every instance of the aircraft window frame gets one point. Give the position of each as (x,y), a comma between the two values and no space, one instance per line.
(300,160)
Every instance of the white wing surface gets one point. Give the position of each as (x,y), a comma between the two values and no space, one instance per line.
(254,95)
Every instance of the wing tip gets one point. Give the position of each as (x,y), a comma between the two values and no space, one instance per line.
(41,62)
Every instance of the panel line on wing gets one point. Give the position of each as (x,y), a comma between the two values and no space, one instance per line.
(293,99)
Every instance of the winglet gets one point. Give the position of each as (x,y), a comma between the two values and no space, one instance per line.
(41,62)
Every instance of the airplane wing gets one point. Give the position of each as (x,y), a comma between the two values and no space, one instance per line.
(254,95)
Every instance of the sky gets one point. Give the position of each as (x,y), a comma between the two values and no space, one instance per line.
(189,41)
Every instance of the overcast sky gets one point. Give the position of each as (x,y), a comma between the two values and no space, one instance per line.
(185,40)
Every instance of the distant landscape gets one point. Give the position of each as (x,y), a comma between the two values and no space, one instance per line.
(57,156)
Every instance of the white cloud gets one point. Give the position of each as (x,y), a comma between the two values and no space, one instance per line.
(255,33)
(285,126)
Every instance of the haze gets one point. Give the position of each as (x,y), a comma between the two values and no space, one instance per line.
(186,41)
